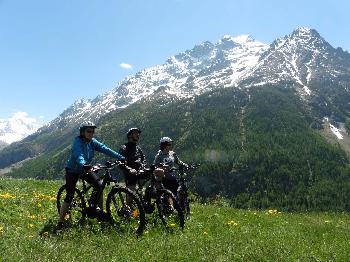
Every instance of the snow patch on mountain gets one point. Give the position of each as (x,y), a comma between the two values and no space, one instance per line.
(17,127)
(336,131)
(184,75)
(299,57)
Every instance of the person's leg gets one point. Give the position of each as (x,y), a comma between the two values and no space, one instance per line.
(71,181)
(170,183)
(130,183)
(97,194)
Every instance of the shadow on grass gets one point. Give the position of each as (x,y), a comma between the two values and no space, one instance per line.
(51,229)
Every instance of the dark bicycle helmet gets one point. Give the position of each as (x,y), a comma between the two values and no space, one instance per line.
(131,130)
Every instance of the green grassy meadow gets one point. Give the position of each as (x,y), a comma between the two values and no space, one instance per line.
(216,232)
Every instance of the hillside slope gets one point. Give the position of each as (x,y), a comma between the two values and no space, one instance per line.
(257,149)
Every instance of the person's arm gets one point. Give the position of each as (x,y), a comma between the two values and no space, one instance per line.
(158,172)
(143,158)
(106,150)
(178,161)
(122,151)
(156,161)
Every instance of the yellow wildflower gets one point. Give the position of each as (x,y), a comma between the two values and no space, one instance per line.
(43,197)
(232,223)
(272,212)
(30,225)
(1,229)
(172,225)
(205,233)
(7,196)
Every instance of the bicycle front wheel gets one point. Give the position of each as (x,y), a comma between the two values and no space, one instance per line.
(77,207)
(169,210)
(182,198)
(125,210)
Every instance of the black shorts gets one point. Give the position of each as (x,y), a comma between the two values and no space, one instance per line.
(72,179)
(170,182)
(131,180)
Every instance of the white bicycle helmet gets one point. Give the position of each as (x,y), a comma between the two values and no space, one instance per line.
(165,139)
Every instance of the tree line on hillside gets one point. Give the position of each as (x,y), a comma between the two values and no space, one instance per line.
(256,148)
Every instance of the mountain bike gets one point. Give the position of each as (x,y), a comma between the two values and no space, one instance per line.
(182,191)
(156,196)
(123,208)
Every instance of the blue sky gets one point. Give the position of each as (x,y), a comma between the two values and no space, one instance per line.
(55,52)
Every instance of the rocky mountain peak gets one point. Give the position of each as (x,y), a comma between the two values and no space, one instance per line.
(240,40)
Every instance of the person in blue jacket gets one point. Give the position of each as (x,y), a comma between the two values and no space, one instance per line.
(79,162)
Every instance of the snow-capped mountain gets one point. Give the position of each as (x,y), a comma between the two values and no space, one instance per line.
(184,75)
(17,127)
(303,58)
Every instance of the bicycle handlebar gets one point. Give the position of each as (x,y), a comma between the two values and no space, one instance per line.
(187,168)
(107,166)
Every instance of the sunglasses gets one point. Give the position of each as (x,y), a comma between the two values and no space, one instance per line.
(90,131)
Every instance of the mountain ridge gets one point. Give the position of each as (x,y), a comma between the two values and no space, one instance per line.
(207,66)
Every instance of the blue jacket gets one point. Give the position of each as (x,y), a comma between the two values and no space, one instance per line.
(82,154)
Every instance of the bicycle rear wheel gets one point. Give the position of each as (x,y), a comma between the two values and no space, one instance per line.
(77,207)
(169,210)
(125,210)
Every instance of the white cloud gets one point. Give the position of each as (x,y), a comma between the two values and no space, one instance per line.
(125,66)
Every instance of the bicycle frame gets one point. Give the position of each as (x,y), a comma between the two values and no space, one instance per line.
(140,186)
(106,180)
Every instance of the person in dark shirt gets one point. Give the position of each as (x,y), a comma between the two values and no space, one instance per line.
(134,156)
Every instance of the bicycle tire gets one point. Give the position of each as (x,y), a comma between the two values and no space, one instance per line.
(77,207)
(171,216)
(128,215)
(182,197)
